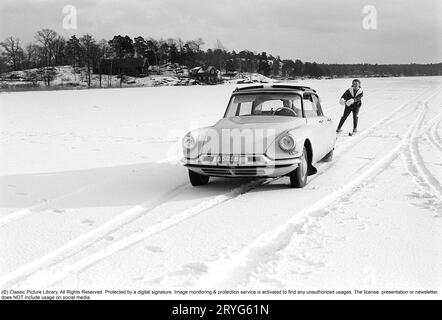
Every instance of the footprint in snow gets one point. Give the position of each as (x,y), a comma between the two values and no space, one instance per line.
(59,210)
(197,267)
(154,249)
(147,280)
(88,222)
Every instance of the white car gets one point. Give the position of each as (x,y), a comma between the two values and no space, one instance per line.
(268,130)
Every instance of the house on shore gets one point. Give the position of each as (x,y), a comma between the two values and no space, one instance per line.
(208,75)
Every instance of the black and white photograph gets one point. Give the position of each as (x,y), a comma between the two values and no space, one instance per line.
(220,150)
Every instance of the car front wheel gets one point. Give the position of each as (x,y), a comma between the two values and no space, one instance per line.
(298,178)
(197,179)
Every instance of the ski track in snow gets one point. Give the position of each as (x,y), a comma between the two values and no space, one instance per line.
(43,271)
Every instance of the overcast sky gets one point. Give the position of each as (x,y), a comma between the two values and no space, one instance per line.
(327,31)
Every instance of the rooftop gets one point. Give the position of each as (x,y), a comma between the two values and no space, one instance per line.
(274,86)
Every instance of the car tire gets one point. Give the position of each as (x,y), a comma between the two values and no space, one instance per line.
(298,178)
(197,179)
(328,157)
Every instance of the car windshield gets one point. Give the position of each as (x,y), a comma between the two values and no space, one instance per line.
(265,104)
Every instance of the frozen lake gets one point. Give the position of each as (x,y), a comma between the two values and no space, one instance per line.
(92,195)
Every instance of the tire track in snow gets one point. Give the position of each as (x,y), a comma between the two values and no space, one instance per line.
(349,143)
(232,271)
(91,237)
(41,206)
(430,131)
(33,276)
(433,137)
(435,133)
(415,164)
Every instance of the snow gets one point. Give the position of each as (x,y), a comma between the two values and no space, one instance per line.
(92,195)
(249,77)
(70,77)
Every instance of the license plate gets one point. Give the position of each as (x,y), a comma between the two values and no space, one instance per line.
(229,159)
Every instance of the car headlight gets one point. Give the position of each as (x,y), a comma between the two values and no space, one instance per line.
(287,143)
(189,142)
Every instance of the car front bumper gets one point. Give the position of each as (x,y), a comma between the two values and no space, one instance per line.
(253,166)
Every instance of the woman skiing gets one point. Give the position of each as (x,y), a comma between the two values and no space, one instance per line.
(352,101)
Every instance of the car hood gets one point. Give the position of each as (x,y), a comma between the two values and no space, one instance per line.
(247,134)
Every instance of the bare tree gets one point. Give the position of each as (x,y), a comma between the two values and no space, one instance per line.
(13,52)
(30,56)
(3,66)
(199,43)
(88,50)
(59,45)
(103,51)
(163,51)
(46,39)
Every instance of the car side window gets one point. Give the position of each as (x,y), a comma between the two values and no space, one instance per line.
(317,103)
(309,107)
(239,106)
(297,106)
(243,108)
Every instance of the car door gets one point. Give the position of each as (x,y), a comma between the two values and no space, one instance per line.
(328,129)
(316,127)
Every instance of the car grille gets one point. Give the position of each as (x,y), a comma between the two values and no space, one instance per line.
(233,171)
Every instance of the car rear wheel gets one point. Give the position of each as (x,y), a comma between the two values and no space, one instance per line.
(197,179)
(298,178)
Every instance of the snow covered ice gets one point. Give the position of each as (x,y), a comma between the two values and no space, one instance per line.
(92,195)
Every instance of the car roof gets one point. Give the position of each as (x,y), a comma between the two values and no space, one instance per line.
(273,87)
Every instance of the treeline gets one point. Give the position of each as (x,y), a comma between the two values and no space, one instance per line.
(384,70)
(50,49)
